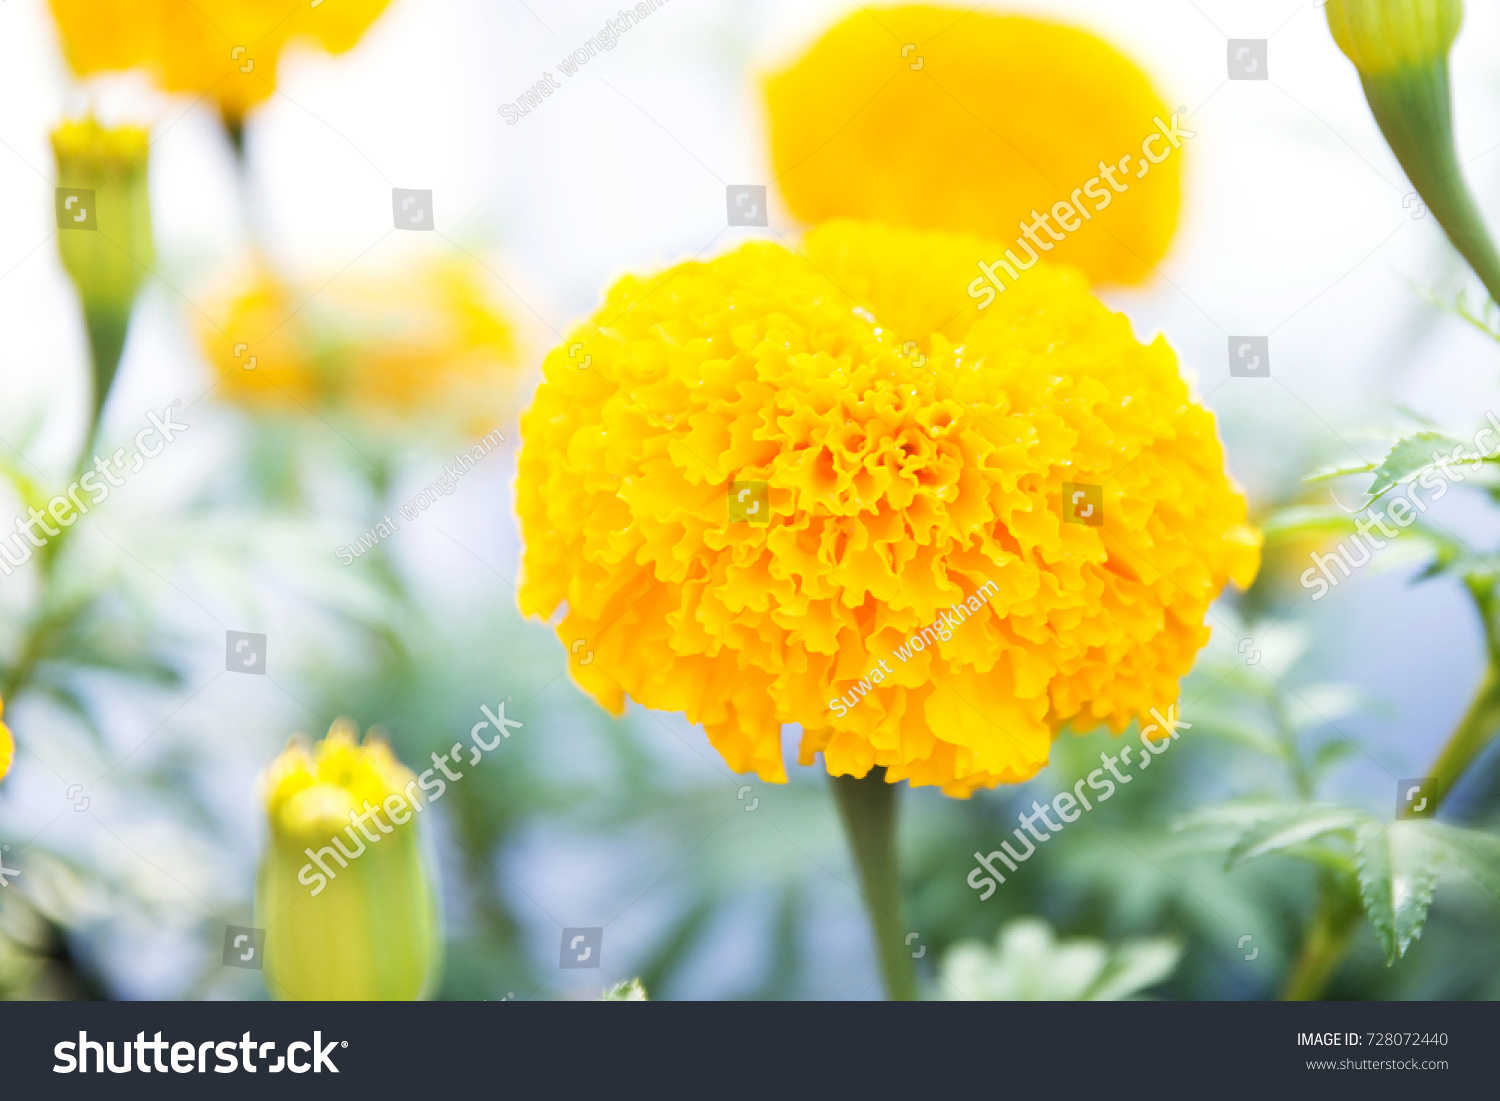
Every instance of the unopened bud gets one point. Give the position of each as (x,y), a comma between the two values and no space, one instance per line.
(104,231)
(345,895)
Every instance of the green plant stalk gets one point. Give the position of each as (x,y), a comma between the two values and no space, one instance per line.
(1412,105)
(868,809)
(107,330)
(107,327)
(1327,940)
(1469,739)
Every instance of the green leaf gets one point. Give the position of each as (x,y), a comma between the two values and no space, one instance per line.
(1409,459)
(1298,827)
(1332,752)
(630,990)
(1470,851)
(1246,735)
(1301,521)
(1030,963)
(1396,863)
(1338,470)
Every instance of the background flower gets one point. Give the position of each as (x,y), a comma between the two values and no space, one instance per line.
(915,449)
(425,337)
(942,118)
(7,745)
(224,49)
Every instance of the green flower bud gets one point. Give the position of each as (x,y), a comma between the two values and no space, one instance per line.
(1382,35)
(104,231)
(344,892)
(1400,49)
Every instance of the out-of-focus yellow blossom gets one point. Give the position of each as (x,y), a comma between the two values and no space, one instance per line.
(940,118)
(344,892)
(7,745)
(914,450)
(428,338)
(225,49)
(104,230)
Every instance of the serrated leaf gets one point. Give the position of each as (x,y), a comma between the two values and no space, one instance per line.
(1397,872)
(1409,459)
(1219,828)
(1302,825)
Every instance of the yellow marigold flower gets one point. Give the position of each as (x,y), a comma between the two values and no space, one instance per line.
(343,893)
(913,451)
(430,337)
(226,49)
(7,745)
(940,118)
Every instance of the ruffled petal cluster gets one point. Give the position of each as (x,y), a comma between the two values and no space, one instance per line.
(954,119)
(913,451)
(226,49)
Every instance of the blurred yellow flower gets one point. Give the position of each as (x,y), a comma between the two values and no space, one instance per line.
(939,118)
(824,488)
(427,339)
(7,745)
(225,49)
(344,892)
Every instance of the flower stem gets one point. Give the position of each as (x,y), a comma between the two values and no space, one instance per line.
(1474,732)
(1413,108)
(868,808)
(1327,941)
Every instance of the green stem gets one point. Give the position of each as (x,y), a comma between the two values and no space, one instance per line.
(1474,732)
(1327,941)
(107,330)
(1413,108)
(868,809)
(107,327)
